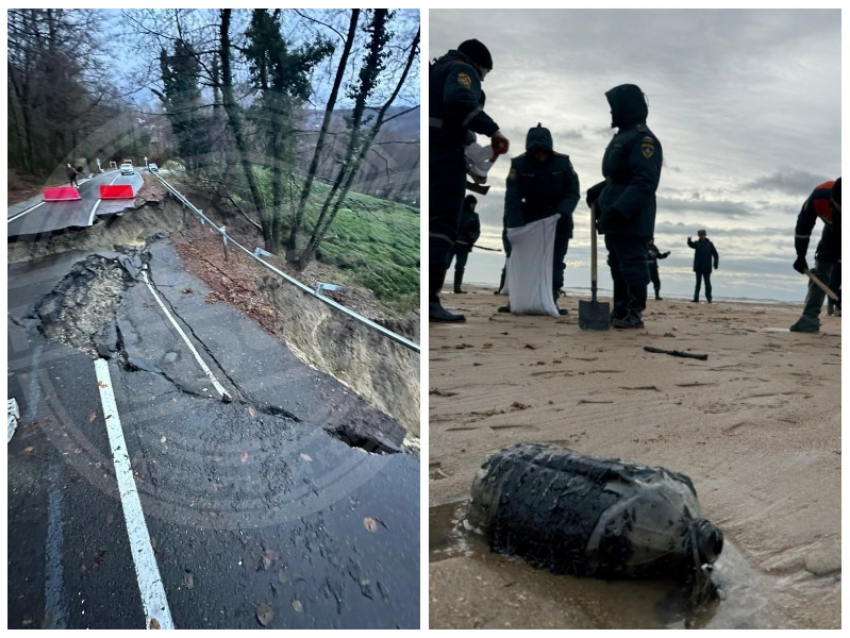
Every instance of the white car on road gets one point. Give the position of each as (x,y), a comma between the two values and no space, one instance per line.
(127,169)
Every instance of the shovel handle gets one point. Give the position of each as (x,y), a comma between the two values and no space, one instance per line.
(593,250)
(817,282)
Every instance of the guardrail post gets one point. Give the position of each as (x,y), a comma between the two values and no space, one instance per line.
(223,231)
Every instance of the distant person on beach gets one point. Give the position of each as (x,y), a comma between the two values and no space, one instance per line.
(824,202)
(467,234)
(72,174)
(705,254)
(542,183)
(455,107)
(653,256)
(625,201)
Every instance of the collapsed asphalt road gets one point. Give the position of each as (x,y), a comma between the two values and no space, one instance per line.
(34,217)
(270,495)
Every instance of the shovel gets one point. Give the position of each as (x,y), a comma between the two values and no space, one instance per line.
(593,315)
(817,282)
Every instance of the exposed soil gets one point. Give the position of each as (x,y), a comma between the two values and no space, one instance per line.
(384,373)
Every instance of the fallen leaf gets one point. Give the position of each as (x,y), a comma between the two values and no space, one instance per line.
(265,613)
(244,457)
(269,557)
(297,606)
(370,524)
(29,449)
(154,624)
(101,384)
(305,457)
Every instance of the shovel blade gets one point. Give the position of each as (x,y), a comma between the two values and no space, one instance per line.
(594,315)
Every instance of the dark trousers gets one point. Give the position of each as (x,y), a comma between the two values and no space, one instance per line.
(630,272)
(446,190)
(835,282)
(562,243)
(707,277)
(461,254)
(656,280)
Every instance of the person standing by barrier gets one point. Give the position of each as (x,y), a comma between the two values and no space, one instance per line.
(455,107)
(72,174)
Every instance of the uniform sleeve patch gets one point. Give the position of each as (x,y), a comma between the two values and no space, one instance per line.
(464,80)
(647,150)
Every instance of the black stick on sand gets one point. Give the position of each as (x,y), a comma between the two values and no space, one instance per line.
(677,353)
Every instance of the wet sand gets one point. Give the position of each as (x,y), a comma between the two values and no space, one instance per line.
(757,427)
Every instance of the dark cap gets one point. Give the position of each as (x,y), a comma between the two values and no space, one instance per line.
(477,52)
(470,199)
(700,232)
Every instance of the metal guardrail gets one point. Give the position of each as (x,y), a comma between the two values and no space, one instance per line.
(256,255)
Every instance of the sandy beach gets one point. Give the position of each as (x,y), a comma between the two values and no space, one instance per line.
(757,427)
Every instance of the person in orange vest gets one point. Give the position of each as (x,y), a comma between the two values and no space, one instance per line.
(824,202)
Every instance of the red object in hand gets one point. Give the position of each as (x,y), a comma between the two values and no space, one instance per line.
(500,144)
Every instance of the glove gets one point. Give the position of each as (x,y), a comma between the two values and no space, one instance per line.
(499,143)
(800,265)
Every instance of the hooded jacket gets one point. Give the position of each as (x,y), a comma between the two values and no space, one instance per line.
(631,167)
(537,190)
(456,101)
(817,205)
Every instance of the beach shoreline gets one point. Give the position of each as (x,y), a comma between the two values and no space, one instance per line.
(757,427)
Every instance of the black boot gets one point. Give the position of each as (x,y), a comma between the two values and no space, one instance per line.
(436,278)
(501,283)
(561,311)
(459,281)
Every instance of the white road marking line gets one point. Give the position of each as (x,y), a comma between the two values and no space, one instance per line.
(54,572)
(194,352)
(115,180)
(91,216)
(28,210)
(147,572)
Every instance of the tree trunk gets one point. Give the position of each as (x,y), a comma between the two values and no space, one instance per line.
(292,242)
(326,218)
(232,110)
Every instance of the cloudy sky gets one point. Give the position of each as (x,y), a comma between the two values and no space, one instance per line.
(746,103)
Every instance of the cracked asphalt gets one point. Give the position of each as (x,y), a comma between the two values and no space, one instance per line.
(255,513)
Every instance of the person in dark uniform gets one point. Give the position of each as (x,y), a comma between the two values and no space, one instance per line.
(455,107)
(625,201)
(468,233)
(824,202)
(705,254)
(653,256)
(72,174)
(542,183)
